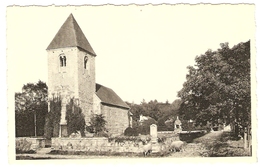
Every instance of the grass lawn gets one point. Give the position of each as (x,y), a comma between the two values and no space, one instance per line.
(222,144)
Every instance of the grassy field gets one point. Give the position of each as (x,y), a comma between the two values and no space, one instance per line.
(214,144)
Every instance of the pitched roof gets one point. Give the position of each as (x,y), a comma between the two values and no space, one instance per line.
(108,96)
(70,35)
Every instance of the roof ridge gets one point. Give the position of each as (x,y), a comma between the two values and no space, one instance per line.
(74,30)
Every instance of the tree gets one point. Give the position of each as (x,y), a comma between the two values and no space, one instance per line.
(98,123)
(31,108)
(75,118)
(218,86)
(144,128)
(52,123)
(158,111)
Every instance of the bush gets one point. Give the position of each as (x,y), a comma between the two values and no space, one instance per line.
(135,139)
(162,139)
(90,129)
(75,118)
(97,123)
(162,128)
(131,132)
(144,128)
(101,134)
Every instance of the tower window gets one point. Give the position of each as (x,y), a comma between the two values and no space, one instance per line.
(62,60)
(85,62)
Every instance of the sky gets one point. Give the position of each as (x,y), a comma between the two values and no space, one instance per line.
(142,51)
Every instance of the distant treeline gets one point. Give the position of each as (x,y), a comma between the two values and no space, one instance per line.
(161,113)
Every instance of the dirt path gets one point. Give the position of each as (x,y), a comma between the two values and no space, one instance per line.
(49,156)
(196,149)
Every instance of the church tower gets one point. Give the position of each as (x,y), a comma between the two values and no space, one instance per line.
(71,70)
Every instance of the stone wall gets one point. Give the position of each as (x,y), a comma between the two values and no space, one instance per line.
(61,80)
(102,144)
(58,76)
(96,105)
(117,119)
(33,143)
(73,80)
(95,144)
(86,83)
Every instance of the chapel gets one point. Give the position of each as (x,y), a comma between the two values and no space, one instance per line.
(71,75)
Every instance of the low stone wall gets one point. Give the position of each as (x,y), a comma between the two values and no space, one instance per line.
(169,135)
(102,144)
(35,143)
(77,143)
(95,144)
(166,132)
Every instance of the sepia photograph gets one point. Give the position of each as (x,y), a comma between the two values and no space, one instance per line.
(131,81)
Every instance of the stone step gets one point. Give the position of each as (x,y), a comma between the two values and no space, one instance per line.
(43,150)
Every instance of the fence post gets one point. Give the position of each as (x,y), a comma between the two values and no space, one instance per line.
(249,134)
(245,138)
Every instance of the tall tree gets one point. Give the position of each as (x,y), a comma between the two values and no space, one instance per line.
(218,86)
(31,108)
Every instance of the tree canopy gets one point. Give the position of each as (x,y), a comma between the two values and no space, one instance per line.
(30,103)
(218,86)
(159,111)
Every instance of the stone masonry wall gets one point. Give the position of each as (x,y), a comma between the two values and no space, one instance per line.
(61,80)
(95,144)
(86,83)
(72,81)
(62,76)
(117,119)
(96,105)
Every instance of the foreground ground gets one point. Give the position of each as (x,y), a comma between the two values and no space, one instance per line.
(214,144)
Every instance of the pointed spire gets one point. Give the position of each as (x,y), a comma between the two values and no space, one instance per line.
(70,35)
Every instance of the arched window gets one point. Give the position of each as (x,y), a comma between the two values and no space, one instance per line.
(85,62)
(62,60)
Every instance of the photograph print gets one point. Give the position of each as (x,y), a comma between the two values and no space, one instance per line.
(133,81)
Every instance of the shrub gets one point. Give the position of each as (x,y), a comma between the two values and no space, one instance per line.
(101,134)
(52,123)
(130,132)
(161,139)
(90,129)
(97,123)
(135,139)
(162,128)
(144,128)
(75,118)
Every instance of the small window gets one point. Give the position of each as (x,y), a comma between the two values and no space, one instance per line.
(85,62)
(62,60)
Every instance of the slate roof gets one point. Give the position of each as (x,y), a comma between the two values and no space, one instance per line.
(108,96)
(71,35)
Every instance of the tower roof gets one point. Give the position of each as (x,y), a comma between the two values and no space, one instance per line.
(70,35)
